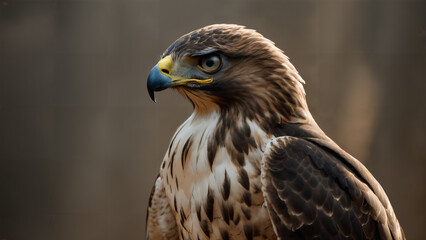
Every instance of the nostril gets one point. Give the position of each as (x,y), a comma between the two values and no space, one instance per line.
(165,71)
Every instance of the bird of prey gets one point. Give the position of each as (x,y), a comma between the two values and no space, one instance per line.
(251,162)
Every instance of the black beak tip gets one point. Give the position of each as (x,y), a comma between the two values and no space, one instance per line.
(152,95)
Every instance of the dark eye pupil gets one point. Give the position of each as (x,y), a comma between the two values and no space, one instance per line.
(209,63)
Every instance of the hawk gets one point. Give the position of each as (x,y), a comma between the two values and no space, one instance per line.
(251,162)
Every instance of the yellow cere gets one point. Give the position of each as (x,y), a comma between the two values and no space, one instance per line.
(166,65)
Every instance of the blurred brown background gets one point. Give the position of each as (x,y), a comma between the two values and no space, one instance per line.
(81,142)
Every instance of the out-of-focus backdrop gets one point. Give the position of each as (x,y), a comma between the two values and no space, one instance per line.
(81,142)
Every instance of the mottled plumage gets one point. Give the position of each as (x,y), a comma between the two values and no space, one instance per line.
(250,162)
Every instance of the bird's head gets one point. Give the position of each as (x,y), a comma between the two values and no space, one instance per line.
(226,66)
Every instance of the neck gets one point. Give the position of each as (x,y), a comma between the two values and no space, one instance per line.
(284,102)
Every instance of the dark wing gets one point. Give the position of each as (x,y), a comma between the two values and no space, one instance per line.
(310,193)
(160,220)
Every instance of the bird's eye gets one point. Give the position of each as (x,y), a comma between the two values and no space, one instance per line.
(210,63)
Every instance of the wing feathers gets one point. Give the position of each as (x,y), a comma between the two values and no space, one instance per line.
(160,223)
(311,193)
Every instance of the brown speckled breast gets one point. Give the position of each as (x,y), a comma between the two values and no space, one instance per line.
(216,194)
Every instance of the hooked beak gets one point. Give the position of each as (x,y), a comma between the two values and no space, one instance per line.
(157,82)
(161,77)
